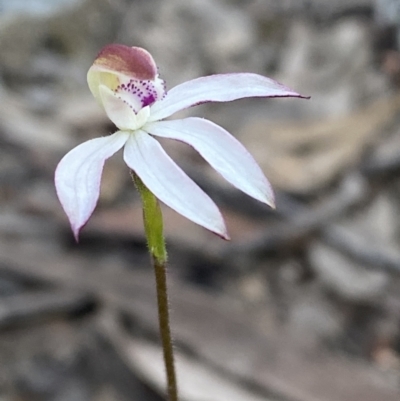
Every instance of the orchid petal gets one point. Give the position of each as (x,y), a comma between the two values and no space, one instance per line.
(144,155)
(118,111)
(221,150)
(78,175)
(217,88)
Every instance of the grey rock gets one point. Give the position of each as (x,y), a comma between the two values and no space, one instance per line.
(315,9)
(333,64)
(344,277)
(39,7)
(192,38)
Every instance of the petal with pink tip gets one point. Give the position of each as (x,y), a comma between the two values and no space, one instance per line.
(144,155)
(78,175)
(221,150)
(217,88)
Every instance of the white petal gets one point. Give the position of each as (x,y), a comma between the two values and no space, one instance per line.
(170,184)
(224,153)
(78,175)
(217,88)
(118,111)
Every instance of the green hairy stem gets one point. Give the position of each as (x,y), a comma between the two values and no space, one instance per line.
(153,223)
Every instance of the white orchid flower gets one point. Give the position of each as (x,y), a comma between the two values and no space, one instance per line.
(125,81)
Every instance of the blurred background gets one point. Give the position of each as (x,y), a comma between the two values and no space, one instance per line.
(303,304)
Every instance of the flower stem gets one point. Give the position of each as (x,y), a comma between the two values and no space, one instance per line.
(165,331)
(153,223)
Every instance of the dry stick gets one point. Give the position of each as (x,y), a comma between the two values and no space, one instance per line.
(303,221)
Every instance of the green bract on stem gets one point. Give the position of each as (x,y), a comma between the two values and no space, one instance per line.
(153,223)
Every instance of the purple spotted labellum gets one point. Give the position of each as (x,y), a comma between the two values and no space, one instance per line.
(125,82)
